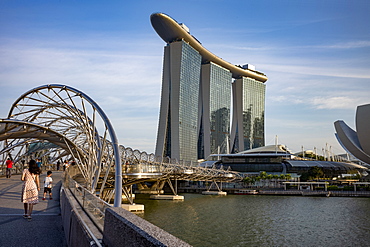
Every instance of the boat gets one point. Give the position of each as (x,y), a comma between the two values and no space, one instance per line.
(246,192)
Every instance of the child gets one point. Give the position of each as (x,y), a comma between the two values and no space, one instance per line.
(48,185)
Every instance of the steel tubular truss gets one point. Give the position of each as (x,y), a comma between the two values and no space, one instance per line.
(87,135)
(57,122)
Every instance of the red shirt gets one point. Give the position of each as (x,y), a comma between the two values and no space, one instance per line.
(9,164)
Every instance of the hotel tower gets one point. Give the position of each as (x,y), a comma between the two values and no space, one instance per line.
(198,89)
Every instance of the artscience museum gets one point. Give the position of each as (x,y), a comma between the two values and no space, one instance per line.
(356,142)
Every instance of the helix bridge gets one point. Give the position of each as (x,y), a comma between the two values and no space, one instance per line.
(57,122)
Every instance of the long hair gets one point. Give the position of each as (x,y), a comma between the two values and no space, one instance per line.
(33,168)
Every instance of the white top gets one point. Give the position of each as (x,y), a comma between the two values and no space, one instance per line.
(48,182)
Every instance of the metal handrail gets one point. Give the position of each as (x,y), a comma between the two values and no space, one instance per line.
(91,204)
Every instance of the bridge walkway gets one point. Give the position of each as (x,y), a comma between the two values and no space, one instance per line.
(45,228)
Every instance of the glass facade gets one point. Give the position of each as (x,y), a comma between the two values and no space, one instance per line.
(188,102)
(219,107)
(248,129)
(197,90)
(253,113)
(178,123)
(195,112)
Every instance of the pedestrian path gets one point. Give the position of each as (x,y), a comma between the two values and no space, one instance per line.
(45,228)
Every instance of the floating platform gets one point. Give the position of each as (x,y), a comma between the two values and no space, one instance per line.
(149,191)
(218,193)
(167,197)
(133,207)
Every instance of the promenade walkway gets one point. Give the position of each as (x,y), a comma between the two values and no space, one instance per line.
(45,228)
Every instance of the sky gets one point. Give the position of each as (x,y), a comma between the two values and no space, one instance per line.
(315,53)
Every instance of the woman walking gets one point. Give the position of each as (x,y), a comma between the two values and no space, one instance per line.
(30,188)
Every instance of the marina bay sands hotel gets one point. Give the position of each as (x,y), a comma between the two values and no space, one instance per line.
(198,89)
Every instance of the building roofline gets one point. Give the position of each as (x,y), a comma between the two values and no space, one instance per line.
(170,30)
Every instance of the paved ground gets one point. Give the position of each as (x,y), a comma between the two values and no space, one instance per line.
(45,228)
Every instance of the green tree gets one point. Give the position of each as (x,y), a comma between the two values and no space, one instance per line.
(247,180)
(316,172)
(305,177)
(263,175)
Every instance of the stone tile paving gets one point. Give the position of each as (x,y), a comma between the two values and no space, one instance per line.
(45,228)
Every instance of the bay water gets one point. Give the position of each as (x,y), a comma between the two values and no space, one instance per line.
(256,220)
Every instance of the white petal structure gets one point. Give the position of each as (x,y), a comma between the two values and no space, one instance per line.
(356,142)
(363,127)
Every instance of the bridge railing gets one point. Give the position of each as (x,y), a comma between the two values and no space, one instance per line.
(117,226)
(94,206)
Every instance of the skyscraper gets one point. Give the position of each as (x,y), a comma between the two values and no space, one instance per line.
(194,119)
(177,130)
(248,125)
(214,107)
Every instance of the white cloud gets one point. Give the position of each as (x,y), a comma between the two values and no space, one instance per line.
(109,76)
(125,79)
(340,102)
(137,132)
(263,47)
(344,45)
(124,83)
(319,69)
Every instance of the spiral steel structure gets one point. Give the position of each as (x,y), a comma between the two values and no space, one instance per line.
(57,122)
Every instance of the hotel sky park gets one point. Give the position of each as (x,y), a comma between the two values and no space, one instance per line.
(198,90)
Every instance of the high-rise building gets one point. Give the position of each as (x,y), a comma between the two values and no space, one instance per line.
(177,130)
(248,125)
(214,107)
(195,111)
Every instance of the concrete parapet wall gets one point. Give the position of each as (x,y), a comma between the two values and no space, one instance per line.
(123,228)
(74,223)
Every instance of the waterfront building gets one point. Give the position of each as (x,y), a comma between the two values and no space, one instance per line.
(215,103)
(356,142)
(248,129)
(276,159)
(194,119)
(177,130)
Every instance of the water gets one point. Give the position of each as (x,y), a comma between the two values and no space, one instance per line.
(246,220)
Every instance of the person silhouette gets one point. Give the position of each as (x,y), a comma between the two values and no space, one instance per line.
(30,188)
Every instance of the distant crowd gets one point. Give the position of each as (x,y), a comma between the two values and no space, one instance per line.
(10,166)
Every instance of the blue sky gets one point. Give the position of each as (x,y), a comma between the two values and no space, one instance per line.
(315,53)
